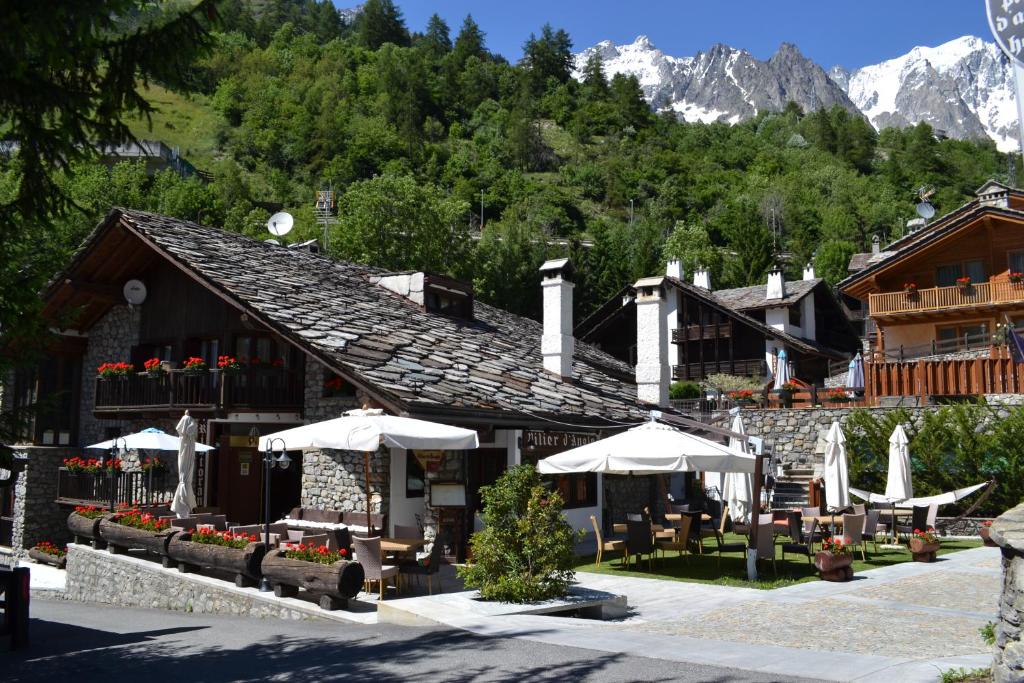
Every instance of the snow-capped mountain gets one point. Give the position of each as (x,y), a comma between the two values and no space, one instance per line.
(963,87)
(722,84)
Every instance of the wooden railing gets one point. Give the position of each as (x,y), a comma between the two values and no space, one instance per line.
(941,298)
(693,371)
(697,332)
(926,378)
(262,388)
(102,490)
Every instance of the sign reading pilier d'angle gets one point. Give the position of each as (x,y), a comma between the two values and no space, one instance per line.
(1006,19)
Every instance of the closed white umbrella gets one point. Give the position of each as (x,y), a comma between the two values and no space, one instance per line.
(837,473)
(184,497)
(651,448)
(782,371)
(898,485)
(738,491)
(366,430)
(148,439)
(855,375)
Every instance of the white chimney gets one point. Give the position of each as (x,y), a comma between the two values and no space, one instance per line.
(702,278)
(674,269)
(876,244)
(776,285)
(653,373)
(809,271)
(557,343)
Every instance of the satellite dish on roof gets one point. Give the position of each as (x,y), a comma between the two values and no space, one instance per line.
(280,224)
(925,210)
(134,292)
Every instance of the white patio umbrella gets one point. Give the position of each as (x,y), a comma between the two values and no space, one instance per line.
(855,375)
(782,371)
(837,474)
(184,498)
(366,430)
(148,439)
(938,499)
(898,485)
(738,490)
(650,448)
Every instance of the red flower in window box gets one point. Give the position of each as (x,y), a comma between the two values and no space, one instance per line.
(112,370)
(1016,277)
(194,365)
(228,364)
(964,281)
(910,287)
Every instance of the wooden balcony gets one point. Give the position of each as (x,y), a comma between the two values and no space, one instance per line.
(696,371)
(943,378)
(991,294)
(698,332)
(213,391)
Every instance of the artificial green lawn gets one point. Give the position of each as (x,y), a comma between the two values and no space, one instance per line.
(704,568)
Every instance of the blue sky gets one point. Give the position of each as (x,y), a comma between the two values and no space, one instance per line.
(847,32)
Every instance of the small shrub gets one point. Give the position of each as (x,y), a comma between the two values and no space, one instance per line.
(727,383)
(963,675)
(680,391)
(525,551)
(988,633)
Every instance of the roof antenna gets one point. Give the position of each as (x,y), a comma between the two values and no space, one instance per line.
(324,210)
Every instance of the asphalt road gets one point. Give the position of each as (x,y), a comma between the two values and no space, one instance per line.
(74,642)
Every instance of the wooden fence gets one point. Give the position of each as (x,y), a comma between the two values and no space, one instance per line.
(925,378)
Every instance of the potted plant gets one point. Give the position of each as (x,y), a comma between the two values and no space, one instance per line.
(837,396)
(910,288)
(114,370)
(318,569)
(1016,278)
(786,392)
(224,550)
(154,368)
(984,530)
(229,365)
(194,366)
(84,523)
(135,528)
(743,397)
(153,464)
(924,545)
(964,283)
(45,552)
(834,560)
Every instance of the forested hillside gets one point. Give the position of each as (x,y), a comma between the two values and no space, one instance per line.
(420,130)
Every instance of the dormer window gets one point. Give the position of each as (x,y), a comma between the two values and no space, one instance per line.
(447,297)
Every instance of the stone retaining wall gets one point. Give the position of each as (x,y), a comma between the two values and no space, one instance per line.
(125,581)
(1008,532)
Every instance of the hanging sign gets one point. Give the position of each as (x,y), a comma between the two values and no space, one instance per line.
(430,461)
(1006,19)
(555,441)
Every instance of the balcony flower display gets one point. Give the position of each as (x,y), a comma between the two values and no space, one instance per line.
(154,367)
(257,362)
(1016,277)
(742,396)
(114,370)
(963,282)
(910,287)
(154,464)
(229,364)
(789,388)
(194,366)
(837,396)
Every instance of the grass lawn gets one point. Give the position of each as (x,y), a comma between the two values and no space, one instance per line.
(187,122)
(733,571)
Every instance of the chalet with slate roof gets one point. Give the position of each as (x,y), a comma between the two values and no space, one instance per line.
(285,336)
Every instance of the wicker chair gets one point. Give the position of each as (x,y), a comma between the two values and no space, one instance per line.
(639,542)
(799,543)
(616,545)
(918,520)
(731,547)
(766,543)
(681,542)
(432,566)
(368,553)
(853,531)
(871,528)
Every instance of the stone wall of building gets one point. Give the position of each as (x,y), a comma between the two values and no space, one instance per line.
(125,581)
(36,516)
(317,406)
(451,468)
(335,480)
(1008,532)
(110,340)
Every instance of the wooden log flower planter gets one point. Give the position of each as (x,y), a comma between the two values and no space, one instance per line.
(924,545)
(318,570)
(241,554)
(45,552)
(136,529)
(834,560)
(983,531)
(84,524)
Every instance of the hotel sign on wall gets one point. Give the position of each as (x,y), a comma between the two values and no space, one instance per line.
(555,441)
(1006,19)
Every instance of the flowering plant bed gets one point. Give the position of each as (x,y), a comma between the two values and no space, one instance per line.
(837,396)
(114,370)
(228,364)
(154,367)
(834,560)
(84,523)
(45,552)
(136,529)
(742,396)
(76,464)
(789,388)
(924,545)
(155,464)
(318,553)
(241,554)
(194,366)
(335,582)
(984,531)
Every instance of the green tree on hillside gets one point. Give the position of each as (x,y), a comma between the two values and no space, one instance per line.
(380,22)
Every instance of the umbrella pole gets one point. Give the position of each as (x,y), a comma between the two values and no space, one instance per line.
(755,519)
(366,474)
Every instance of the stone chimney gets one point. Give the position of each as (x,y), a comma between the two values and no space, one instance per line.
(653,373)
(876,244)
(557,343)
(702,278)
(674,269)
(809,271)
(776,285)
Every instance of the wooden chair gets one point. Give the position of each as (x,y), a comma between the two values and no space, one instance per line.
(368,553)
(615,545)
(853,532)
(681,542)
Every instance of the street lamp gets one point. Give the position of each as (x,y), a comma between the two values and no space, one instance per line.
(110,470)
(269,461)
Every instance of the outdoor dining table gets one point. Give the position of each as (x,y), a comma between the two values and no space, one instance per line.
(401,545)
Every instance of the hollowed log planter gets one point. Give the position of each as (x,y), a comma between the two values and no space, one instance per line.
(923,552)
(86,530)
(244,562)
(46,558)
(119,538)
(335,583)
(834,567)
(984,533)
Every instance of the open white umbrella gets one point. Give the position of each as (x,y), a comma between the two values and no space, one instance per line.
(738,490)
(782,371)
(855,375)
(650,448)
(366,430)
(837,474)
(148,439)
(938,499)
(184,498)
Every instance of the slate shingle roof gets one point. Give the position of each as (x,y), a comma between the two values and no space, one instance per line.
(750,298)
(423,361)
